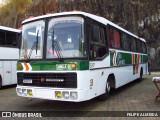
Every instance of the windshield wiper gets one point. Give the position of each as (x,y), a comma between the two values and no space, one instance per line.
(37,41)
(56,46)
(34,44)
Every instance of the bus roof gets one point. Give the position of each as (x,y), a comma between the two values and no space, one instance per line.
(9,29)
(94,17)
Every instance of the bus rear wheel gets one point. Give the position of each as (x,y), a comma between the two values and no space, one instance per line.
(104,96)
(141,75)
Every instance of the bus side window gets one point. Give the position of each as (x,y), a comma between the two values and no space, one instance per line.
(139,46)
(129,43)
(2,37)
(117,39)
(11,38)
(97,51)
(144,49)
(98,42)
(125,42)
(96,33)
(110,36)
(93,51)
(114,38)
(133,44)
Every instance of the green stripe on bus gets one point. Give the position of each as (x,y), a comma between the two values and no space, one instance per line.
(59,66)
(121,58)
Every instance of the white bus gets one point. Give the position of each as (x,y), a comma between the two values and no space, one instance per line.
(76,56)
(9,55)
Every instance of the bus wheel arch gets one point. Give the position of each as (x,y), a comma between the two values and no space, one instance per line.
(110,83)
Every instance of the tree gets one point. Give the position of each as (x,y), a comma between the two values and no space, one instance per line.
(12,11)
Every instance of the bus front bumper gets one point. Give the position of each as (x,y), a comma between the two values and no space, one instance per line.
(73,95)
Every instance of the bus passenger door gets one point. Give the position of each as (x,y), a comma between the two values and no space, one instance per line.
(7,73)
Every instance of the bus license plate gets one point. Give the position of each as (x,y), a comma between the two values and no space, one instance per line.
(27,80)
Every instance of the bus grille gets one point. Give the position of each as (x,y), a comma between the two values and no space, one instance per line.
(57,80)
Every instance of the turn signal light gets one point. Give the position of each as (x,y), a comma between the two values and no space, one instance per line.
(29,92)
(73,65)
(58,94)
(19,66)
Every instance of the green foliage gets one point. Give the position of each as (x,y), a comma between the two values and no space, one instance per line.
(138,16)
(11,11)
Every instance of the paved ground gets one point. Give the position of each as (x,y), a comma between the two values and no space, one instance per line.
(136,96)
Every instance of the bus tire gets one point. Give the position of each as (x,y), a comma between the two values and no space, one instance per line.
(0,81)
(140,76)
(104,96)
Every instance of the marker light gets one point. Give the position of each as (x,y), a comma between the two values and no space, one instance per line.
(58,94)
(73,66)
(18,66)
(91,82)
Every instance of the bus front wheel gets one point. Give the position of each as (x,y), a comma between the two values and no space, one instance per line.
(104,96)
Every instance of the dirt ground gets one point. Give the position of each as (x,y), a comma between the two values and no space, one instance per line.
(135,96)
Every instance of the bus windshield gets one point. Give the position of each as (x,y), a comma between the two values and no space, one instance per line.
(66,38)
(32,40)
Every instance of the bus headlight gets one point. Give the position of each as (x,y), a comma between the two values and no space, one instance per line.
(65,94)
(73,65)
(24,92)
(19,91)
(74,95)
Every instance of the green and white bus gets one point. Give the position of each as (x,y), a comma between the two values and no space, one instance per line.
(77,56)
